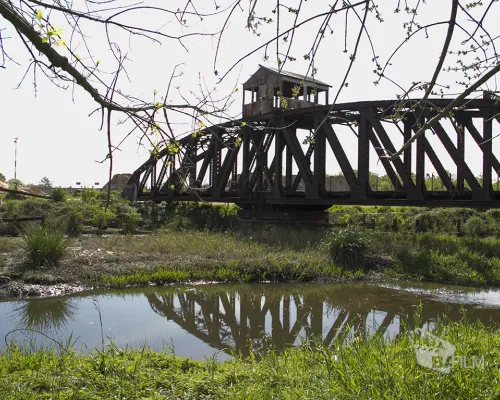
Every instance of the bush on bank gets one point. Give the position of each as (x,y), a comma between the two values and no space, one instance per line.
(347,246)
(44,246)
(418,219)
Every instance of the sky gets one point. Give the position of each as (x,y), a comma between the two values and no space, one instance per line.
(59,136)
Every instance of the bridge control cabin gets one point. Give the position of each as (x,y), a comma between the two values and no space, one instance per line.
(268,88)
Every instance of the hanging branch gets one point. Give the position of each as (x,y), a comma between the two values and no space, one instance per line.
(445,112)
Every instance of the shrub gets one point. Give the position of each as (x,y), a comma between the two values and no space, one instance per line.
(151,215)
(90,193)
(493,213)
(347,245)
(441,219)
(180,223)
(9,229)
(129,221)
(204,215)
(12,209)
(44,246)
(74,223)
(476,226)
(102,217)
(36,207)
(58,194)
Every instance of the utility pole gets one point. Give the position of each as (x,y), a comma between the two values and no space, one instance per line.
(15,158)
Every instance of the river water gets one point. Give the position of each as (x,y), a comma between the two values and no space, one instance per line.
(201,321)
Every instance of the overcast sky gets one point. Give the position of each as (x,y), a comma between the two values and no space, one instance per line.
(58,138)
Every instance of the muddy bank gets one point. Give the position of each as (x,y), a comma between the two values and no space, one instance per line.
(17,289)
(172,257)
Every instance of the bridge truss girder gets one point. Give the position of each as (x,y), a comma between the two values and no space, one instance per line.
(252,162)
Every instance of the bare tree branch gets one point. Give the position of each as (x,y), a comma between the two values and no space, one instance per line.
(443,113)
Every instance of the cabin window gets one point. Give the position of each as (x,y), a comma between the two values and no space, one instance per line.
(250,95)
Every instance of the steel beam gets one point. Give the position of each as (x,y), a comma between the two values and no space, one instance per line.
(268,183)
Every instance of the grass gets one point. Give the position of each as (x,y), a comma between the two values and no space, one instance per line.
(259,255)
(201,241)
(44,246)
(442,258)
(348,245)
(231,273)
(211,256)
(8,244)
(363,368)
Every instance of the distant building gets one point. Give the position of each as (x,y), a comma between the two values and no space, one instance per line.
(268,89)
(118,182)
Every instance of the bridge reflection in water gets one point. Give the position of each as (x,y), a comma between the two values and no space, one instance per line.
(243,319)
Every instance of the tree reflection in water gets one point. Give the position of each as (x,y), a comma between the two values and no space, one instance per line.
(45,315)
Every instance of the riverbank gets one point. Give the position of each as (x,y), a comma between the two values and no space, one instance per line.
(363,368)
(263,254)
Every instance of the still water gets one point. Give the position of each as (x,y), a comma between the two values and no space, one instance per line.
(200,321)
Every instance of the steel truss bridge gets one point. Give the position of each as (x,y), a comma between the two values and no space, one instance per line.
(277,162)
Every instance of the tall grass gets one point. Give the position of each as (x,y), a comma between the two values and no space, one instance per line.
(44,246)
(347,245)
(266,254)
(441,258)
(363,368)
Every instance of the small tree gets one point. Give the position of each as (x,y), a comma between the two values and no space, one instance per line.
(2,177)
(14,184)
(58,194)
(45,182)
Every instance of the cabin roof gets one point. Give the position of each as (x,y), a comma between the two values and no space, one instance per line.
(293,77)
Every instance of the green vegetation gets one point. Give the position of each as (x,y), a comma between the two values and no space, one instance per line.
(361,368)
(192,241)
(231,272)
(476,226)
(348,245)
(87,212)
(261,254)
(44,246)
(199,242)
(58,194)
(167,256)
(201,215)
(443,258)
(129,221)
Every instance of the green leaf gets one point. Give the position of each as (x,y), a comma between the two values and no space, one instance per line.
(39,15)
